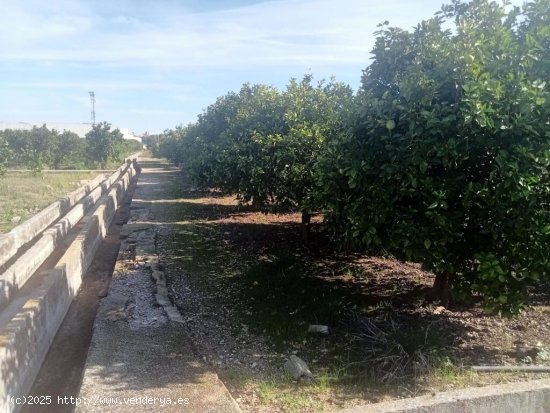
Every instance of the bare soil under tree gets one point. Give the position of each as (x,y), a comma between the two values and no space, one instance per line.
(249,288)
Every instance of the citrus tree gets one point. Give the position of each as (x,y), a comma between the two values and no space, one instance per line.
(447,161)
(66,148)
(261,144)
(39,147)
(4,155)
(103,144)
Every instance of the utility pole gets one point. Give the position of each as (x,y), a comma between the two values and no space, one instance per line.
(92,98)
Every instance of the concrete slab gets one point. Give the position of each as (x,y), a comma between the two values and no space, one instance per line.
(26,337)
(31,228)
(139,370)
(522,397)
(127,229)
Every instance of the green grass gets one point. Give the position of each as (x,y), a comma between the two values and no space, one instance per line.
(295,402)
(284,299)
(237,377)
(25,194)
(267,391)
(293,397)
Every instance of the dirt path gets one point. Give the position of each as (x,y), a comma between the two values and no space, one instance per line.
(140,359)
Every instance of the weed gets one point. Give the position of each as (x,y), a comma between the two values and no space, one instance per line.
(266,391)
(236,377)
(395,350)
(297,402)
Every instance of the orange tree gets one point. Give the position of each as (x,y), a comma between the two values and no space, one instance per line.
(447,160)
(4,155)
(103,144)
(30,148)
(261,144)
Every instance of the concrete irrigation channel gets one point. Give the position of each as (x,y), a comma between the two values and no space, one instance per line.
(43,263)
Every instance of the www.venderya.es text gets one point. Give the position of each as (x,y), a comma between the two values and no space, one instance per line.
(98,401)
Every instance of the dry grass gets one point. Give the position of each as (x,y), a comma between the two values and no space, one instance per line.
(24,194)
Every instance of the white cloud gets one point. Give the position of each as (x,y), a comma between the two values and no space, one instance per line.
(161,58)
(287,32)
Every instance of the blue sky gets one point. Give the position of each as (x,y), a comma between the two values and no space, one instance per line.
(154,64)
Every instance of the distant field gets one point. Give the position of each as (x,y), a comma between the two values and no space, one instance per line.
(24,194)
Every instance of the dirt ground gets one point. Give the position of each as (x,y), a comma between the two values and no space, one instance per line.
(249,289)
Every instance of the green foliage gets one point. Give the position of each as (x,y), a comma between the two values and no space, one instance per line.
(42,148)
(447,160)
(125,147)
(17,142)
(5,153)
(104,145)
(29,148)
(441,158)
(38,150)
(170,145)
(152,142)
(68,149)
(261,144)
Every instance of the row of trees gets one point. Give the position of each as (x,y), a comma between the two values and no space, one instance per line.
(42,148)
(262,144)
(442,157)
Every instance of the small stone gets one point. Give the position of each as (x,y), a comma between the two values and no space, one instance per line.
(439,310)
(318,329)
(297,368)
(15,220)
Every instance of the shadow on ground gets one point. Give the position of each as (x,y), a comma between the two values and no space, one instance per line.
(255,268)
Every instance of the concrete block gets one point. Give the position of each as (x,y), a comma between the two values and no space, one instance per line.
(30,229)
(19,272)
(525,397)
(15,276)
(26,337)
(128,229)
(23,339)
(8,247)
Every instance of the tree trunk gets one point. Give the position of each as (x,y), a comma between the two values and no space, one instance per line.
(441,290)
(306,221)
